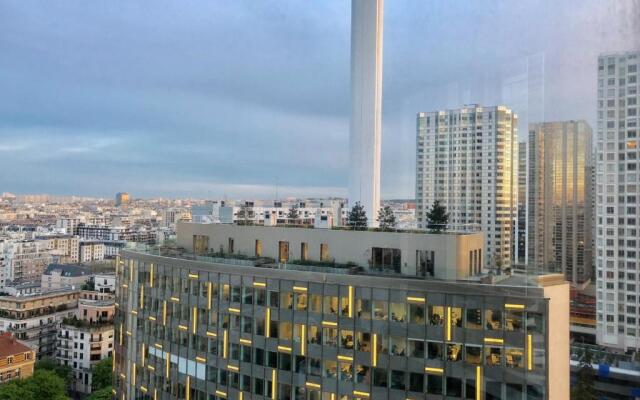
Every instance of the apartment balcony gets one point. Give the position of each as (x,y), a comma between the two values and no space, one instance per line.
(64,355)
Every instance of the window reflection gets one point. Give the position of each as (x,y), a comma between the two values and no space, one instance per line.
(436,315)
(494,319)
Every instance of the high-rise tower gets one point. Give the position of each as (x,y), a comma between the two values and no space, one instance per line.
(366,105)
(617,200)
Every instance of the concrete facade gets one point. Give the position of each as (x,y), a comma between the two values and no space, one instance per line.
(450,256)
(365,137)
(194,329)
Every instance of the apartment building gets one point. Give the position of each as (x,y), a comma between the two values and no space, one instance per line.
(222,328)
(91,250)
(66,248)
(34,319)
(16,359)
(61,276)
(25,260)
(467,159)
(86,338)
(560,199)
(520,244)
(617,204)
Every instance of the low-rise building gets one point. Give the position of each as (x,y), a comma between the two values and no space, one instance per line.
(16,358)
(60,276)
(34,319)
(104,283)
(438,256)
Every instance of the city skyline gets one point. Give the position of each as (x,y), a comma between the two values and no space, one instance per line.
(130,122)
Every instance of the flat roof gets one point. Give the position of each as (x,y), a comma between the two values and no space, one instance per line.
(520,286)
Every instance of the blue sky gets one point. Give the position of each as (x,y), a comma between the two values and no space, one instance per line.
(214,98)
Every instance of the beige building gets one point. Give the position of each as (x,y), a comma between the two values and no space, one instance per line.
(439,256)
(16,359)
(34,319)
(66,248)
(560,199)
(91,251)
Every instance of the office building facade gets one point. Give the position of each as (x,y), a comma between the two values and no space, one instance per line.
(194,327)
(560,199)
(467,159)
(617,204)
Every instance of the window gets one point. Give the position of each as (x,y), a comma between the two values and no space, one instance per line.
(493,320)
(436,315)
(380,309)
(324,252)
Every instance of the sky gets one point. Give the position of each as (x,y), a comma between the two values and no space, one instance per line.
(246,99)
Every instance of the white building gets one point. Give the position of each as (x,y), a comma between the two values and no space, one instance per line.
(366,105)
(279,214)
(105,283)
(80,346)
(207,213)
(617,202)
(467,159)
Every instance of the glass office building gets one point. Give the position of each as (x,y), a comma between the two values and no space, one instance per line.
(198,327)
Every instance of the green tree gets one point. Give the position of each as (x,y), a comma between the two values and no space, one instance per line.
(63,371)
(583,389)
(101,371)
(437,218)
(102,394)
(293,216)
(357,218)
(15,390)
(386,219)
(45,384)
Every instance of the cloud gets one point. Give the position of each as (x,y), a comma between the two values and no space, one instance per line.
(99,98)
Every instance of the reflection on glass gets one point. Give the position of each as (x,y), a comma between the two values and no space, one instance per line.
(398,312)
(416,313)
(434,351)
(330,369)
(315,303)
(330,305)
(514,358)
(454,352)
(380,309)
(456,317)
(346,339)
(364,341)
(513,320)
(474,318)
(330,336)
(494,319)
(436,315)
(398,345)
(493,355)
(363,308)
(416,348)
(346,372)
